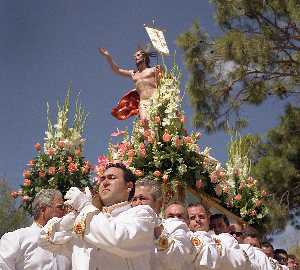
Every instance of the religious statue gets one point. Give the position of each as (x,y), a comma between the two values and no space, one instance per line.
(146,79)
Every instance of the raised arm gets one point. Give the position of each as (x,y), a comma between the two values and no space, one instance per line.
(115,68)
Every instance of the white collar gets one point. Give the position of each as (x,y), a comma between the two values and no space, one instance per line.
(116,208)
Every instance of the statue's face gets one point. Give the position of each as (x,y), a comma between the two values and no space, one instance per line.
(139,57)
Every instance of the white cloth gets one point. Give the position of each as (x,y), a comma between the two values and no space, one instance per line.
(19,250)
(117,238)
(173,249)
(233,256)
(259,260)
(206,253)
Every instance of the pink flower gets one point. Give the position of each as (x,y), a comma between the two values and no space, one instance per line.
(165,178)
(50,151)
(61,169)
(72,168)
(51,170)
(222,174)
(27,182)
(150,139)
(157,173)
(218,190)
(138,172)
(37,147)
(69,159)
(187,139)
(20,192)
(143,152)
(253,213)
(118,133)
(214,177)
(25,198)
(42,174)
(14,194)
(166,137)
(103,160)
(26,174)
(61,144)
(258,203)
(31,162)
(199,184)
(264,193)
(238,197)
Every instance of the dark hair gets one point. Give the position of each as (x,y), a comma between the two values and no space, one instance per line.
(128,176)
(217,216)
(200,205)
(267,245)
(280,251)
(292,256)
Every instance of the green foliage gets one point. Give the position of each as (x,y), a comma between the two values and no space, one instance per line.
(276,166)
(11,217)
(257,56)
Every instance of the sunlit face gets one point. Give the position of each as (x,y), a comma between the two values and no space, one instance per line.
(55,210)
(219,226)
(292,264)
(253,241)
(113,188)
(142,196)
(268,251)
(176,211)
(198,219)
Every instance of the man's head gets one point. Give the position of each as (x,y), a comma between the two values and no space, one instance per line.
(252,239)
(236,230)
(141,57)
(117,184)
(198,217)
(293,263)
(176,210)
(148,192)
(281,256)
(219,223)
(48,203)
(267,248)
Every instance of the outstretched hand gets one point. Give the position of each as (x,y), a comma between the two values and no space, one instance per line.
(103,51)
(77,199)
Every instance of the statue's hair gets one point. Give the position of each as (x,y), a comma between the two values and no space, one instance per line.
(147,53)
(149,181)
(43,199)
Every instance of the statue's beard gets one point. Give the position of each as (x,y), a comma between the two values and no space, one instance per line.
(140,63)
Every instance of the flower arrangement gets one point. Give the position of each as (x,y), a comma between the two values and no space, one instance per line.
(162,148)
(59,163)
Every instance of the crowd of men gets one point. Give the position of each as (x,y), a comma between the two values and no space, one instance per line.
(129,231)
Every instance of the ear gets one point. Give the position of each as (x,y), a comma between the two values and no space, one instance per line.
(129,186)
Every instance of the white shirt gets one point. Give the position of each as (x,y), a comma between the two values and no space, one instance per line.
(206,253)
(19,251)
(173,249)
(118,238)
(234,257)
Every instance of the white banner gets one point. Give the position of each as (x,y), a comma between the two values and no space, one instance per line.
(158,40)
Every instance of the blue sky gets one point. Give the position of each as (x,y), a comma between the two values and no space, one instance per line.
(45,45)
